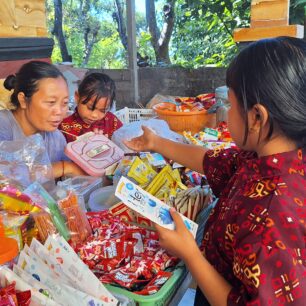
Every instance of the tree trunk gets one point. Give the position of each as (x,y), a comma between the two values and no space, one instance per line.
(58,31)
(121,27)
(160,40)
(90,38)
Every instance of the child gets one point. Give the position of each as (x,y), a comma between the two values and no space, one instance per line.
(40,97)
(94,99)
(254,245)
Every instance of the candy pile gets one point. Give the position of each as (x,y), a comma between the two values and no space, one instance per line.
(211,138)
(125,255)
(188,104)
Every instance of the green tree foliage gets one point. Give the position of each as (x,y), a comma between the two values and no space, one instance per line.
(202,32)
(90,33)
(203,35)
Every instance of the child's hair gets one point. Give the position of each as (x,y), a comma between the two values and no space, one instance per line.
(96,85)
(27,78)
(272,72)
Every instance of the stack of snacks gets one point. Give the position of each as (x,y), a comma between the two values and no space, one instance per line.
(191,201)
(152,173)
(211,138)
(55,270)
(125,255)
(202,101)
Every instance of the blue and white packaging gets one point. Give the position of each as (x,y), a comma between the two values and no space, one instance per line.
(149,206)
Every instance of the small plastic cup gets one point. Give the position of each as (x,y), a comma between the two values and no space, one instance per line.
(8,251)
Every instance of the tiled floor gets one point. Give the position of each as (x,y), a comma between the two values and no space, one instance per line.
(188,298)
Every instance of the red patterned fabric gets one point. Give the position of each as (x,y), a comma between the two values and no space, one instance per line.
(256,235)
(74,125)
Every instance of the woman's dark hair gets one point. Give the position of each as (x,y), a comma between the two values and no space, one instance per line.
(27,78)
(272,72)
(96,85)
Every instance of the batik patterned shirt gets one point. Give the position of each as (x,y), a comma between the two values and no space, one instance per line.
(74,125)
(256,235)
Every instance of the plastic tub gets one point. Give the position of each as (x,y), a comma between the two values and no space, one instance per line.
(102,198)
(82,184)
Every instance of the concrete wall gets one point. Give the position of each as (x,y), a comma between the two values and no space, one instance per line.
(166,81)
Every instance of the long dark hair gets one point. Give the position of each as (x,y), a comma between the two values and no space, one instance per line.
(27,78)
(272,72)
(96,85)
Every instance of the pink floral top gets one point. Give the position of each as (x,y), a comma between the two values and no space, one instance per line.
(256,234)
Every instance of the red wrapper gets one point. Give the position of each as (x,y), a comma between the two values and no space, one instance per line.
(24,298)
(155,284)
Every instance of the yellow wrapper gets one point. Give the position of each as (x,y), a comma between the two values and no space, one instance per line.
(141,172)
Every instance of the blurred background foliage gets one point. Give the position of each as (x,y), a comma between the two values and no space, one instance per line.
(187,33)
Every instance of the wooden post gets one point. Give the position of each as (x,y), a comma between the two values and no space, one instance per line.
(132,50)
(269,18)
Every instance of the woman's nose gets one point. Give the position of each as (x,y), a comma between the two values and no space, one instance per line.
(59,109)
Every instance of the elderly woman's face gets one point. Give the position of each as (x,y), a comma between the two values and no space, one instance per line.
(48,105)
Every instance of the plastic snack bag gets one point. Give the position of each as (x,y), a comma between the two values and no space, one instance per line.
(26,161)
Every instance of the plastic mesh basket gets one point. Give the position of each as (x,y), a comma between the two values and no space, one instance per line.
(127,115)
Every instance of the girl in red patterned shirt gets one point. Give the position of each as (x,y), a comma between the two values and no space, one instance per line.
(94,99)
(254,241)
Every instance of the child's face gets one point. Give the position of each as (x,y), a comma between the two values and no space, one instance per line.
(90,115)
(47,108)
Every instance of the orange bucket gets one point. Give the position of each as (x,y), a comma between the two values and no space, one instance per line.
(194,121)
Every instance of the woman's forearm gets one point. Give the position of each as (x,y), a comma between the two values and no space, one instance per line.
(58,169)
(212,284)
(187,155)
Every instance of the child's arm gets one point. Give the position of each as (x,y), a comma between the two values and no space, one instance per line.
(180,243)
(66,167)
(188,155)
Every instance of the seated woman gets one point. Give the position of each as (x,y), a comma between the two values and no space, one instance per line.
(40,97)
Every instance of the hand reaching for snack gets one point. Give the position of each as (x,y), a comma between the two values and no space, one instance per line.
(144,142)
(178,242)
(99,132)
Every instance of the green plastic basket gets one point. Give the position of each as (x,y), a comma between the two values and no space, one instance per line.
(163,296)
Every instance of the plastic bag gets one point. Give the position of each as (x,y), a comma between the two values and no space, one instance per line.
(133,129)
(25,161)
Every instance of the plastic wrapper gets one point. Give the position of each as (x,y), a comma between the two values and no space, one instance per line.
(12,200)
(77,222)
(133,129)
(39,194)
(25,161)
(44,224)
(141,172)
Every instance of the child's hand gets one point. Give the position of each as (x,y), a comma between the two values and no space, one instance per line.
(144,142)
(99,132)
(178,242)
